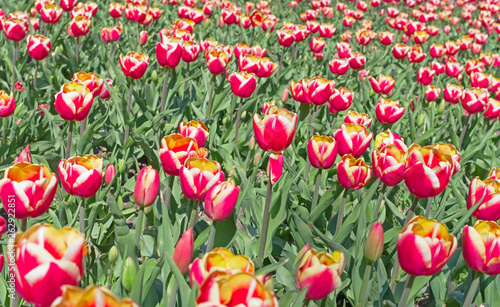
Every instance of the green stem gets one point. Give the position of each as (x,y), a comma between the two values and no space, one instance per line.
(168,192)
(316,192)
(380,200)
(164,92)
(406,292)
(14,60)
(194,213)
(238,122)
(265,223)
(36,74)
(365,290)
(211,237)
(340,215)
(110,277)
(5,124)
(23,224)
(139,227)
(82,216)
(211,95)
(471,292)
(312,113)
(173,293)
(428,208)
(68,143)
(129,106)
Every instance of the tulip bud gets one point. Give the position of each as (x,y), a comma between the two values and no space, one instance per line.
(374,245)
(129,273)
(109,174)
(221,200)
(256,158)
(143,38)
(421,119)
(284,96)
(251,143)
(24,156)
(275,167)
(146,186)
(243,114)
(183,252)
(154,76)
(113,254)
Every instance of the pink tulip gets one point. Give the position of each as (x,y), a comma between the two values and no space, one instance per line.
(340,100)
(389,111)
(276,130)
(474,100)
(198,176)
(355,118)
(7,104)
(221,200)
(169,51)
(196,130)
(489,209)
(183,252)
(147,186)
(134,64)
(383,84)
(387,138)
(389,164)
(481,247)
(242,84)
(353,174)
(81,176)
(24,156)
(352,139)
(143,38)
(322,151)
(275,167)
(175,149)
(110,173)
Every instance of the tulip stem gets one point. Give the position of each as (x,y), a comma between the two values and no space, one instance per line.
(139,227)
(471,292)
(36,74)
(265,223)
(23,224)
(406,292)
(464,130)
(169,192)
(211,95)
(279,67)
(5,124)
(312,113)
(428,208)
(340,215)
(164,92)
(365,290)
(173,293)
(380,200)
(129,106)
(110,277)
(316,192)
(211,237)
(68,143)
(82,216)
(78,49)
(194,213)
(238,122)
(14,60)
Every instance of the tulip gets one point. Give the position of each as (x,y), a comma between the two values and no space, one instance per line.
(111,34)
(198,176)
(242,84)
(15,29)
(74,101)
(169,51)
(265,67)
(425,75)
(50,13)
(24,156)
(221,200)
(3,227)
(103,92)
(386,38)
(424,246)
(7,104)
(79,26)
(242,289)
(353,174)
(285,37)
(389,164)
(275,167)
(90,80)
(143,38)
(68,5)
(389,111)
(222,260)
(344,50)
(134,64)
(374,245)
(416,54)
(428,171)
(480,80)
(45,255)
(339,66)
(116,9)
(383,84)
(183,252)
(400,51)
(489,207)
(480,247)
(30,188)
(196,130)
(492,109)
(437,50)
(92,295)
(352,139)
(216,61)
(357,60)
(276,130)
(340,100)
(110,173)
(494,173)
(387,138)
(474,100)
(437,67)
(451,47)
(146,186)
(473,65)
(320,272)
(322,151)
(81,176)
(297,90)
(432,93)
(175,149)
(353,117)
(317,44)
(190,51)
(39,47)
(318,90)
(452,93)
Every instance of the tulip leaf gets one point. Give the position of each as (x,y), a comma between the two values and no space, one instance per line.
(225,231)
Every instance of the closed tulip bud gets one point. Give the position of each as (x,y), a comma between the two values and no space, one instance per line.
(81,176)
(357,60)
(79,26)
(389,111)
(421,119)
(24,156)
(428,171)
(91,296)
(399,51)
(452,93)
(353,174)
(39,47)
(322,151)
(256,159)
(251,143)
(275,132)
(74,101)
(352,139)
(275,167)
(474,100)
(425,246)
(221,200)
(183,252)
(432,93)
(383,84)
(480,247)
(29,187)
(320,272)
(284,96)
(425,75)
(196,130)
(113,254)
(355,118)
(340,100)
(134,64)
(129,273)
(339,66)
(50,13)
(143,38)
(242,84)
(198,176)
(374,245)
(490,190)
(169,51)
(45,256)
(146,186)
(15,29)
(175,149)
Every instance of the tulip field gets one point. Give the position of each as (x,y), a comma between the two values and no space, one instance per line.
(252,153)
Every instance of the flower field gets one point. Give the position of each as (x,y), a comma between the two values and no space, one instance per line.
(239,153)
